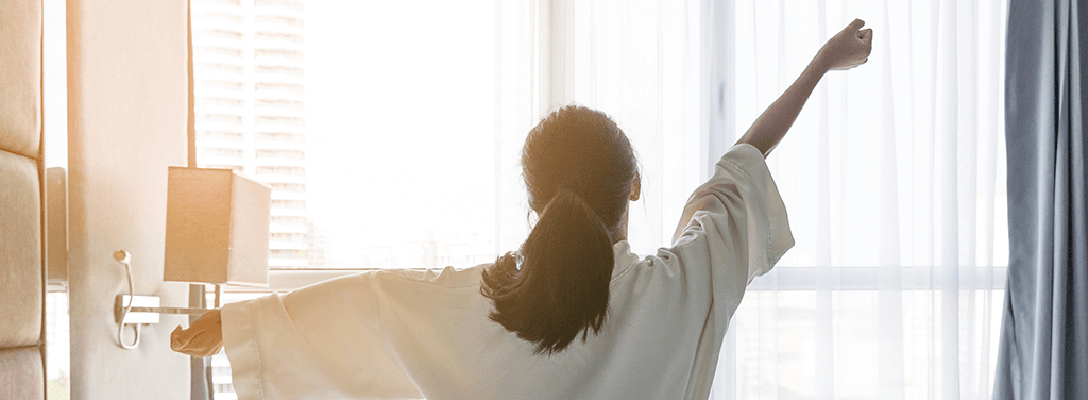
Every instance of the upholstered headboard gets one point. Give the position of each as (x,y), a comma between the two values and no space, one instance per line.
(22,277)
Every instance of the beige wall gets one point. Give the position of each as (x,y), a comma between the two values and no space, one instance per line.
(127,99)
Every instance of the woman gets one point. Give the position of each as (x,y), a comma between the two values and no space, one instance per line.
(572,314)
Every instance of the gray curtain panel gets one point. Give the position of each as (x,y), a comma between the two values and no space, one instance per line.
(1044,338)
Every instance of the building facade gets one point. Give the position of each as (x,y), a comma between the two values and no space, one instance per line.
(249,103)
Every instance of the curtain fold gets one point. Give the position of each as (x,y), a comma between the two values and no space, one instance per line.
(1044,336)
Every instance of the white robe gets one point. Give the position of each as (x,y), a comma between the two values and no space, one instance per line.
(416,334)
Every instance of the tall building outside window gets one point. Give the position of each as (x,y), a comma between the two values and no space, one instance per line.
(250,103)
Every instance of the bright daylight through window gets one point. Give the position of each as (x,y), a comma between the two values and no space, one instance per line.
(374,134)
(384,130)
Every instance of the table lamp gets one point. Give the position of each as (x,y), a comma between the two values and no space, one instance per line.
(217,232)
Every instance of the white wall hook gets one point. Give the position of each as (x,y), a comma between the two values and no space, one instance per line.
(125,259)
(130,309)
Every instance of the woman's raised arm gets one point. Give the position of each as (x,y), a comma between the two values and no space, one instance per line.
(847,49)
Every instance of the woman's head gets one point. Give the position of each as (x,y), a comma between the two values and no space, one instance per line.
(583,150)
(580,171)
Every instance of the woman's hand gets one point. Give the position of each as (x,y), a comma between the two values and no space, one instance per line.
(203,338)
(848,48)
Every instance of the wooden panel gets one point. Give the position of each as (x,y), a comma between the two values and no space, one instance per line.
(21,374)
(21,281)
(20,76)
(20,252)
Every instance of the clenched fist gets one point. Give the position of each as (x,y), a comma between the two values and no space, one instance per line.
(848,48)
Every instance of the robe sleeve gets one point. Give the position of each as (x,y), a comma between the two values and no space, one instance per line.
(738,230)
(738,222)
(324,341)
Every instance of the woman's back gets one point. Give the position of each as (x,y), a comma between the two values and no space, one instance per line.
(649,324)
(405,334)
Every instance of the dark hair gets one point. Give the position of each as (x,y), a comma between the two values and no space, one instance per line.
(578,167)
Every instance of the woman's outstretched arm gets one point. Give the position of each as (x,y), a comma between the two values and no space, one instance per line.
(847,49)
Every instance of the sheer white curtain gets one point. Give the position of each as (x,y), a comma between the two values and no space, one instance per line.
(893,175)
(894,178)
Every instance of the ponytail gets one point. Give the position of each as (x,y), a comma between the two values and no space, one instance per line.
(561,288)
(579,171)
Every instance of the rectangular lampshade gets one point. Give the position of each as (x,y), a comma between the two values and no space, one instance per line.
(216,228)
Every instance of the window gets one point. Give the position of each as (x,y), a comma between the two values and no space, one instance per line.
(218,84)
(287,221)
(295,22)
(287,237)
(221,152)
(289,187)
(290,254)
(292,72)
(375,133)
(280,137)
(280,53)
(221,34)
(361,129)
(277,36)
(280,120)
(220,102)
(209,17)
(305,154)
(219,119)
(291,5)
(289,171)
(224,68)
(277,86)
(221,51)
(289,204)
(284,154)
(277,103)
(896,282)
(218,135)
